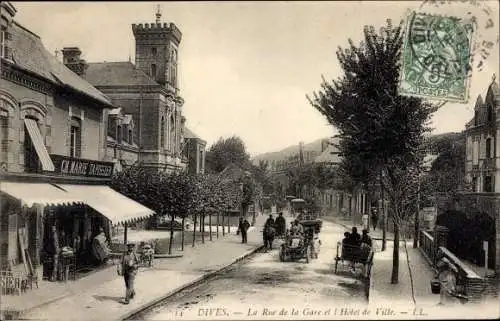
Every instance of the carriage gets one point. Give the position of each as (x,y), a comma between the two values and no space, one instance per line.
(297,247)
(355,254)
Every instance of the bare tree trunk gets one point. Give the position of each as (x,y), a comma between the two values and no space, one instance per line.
(194,228)
(172,220)
(202,227)
(417,214)
(182,233)
(223,224)
(218,214)
(384,216)
(210,224)
(395,256)
(228,226)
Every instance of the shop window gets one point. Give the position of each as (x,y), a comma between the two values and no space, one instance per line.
(153,70)
(162,133)
(76,138)
(31,160)
(488,184)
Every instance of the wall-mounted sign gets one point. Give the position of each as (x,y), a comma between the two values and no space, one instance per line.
(69,166)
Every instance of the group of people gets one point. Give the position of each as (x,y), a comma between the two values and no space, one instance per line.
(354,239)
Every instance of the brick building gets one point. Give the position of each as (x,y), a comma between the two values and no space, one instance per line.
(194,152)
(147,91)
(52,158)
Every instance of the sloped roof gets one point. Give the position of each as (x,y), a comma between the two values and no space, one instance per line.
(29,53)
(189,134)
(117,74)
(331,153)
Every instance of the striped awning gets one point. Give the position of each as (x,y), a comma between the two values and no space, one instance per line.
(116,207)
(38,193)
(37,139)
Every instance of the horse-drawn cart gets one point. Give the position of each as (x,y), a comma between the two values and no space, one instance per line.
(355,254)
(294,248)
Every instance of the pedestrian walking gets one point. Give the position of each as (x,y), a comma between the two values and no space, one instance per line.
(244,226)
(374,217)
(128,268)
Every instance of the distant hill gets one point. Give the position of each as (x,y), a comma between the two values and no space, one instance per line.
(283,154)
(433,143)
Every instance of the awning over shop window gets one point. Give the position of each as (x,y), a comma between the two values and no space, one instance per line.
(116,207)
(38,193)
(37,139)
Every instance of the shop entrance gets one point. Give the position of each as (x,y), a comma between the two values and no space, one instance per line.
(75,229)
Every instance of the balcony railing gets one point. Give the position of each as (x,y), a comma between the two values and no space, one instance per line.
(427,245)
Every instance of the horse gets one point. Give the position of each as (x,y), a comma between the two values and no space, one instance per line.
(268,234)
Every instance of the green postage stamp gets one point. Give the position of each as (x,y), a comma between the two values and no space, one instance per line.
(436,57)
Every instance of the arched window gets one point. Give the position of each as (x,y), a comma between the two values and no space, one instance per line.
(172,133)
(4,136)
(130,136)
(153,70)
(75,138)
(162,133)
(119,134)
(489,112)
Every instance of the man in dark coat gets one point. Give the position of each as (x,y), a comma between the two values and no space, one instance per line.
(280,224)
(270,220)
(243,227)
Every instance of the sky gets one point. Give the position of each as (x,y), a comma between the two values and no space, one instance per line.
(245,67)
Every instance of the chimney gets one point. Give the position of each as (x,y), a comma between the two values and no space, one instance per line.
(72,60)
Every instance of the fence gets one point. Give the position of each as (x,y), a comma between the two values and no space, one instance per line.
(468,281)
(12,282)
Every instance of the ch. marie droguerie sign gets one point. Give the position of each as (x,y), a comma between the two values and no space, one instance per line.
(69,166)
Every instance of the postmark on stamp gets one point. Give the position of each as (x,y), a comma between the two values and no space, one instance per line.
(436,57)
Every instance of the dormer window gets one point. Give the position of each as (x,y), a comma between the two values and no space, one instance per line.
(488,148)
(476,116)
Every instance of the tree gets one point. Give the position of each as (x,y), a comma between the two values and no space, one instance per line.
(227,151)
(380,130)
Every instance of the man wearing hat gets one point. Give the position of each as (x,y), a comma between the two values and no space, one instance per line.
(129,266)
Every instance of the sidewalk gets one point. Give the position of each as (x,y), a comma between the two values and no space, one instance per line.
(381,289)
(100,298)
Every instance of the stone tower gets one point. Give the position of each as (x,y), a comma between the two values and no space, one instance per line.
(156,47)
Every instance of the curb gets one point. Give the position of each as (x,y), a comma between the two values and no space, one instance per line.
(181,288)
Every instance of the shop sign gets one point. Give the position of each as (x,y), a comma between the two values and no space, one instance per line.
(70,166)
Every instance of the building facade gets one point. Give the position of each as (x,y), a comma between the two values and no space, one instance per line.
(53,164)
(194,152)
(483,143)
(148,91)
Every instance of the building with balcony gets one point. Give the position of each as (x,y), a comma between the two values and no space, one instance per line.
(53,164)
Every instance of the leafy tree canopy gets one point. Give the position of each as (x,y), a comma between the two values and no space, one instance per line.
(227,151)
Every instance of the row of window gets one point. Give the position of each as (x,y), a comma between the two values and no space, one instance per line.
(488,184)
(489,150)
